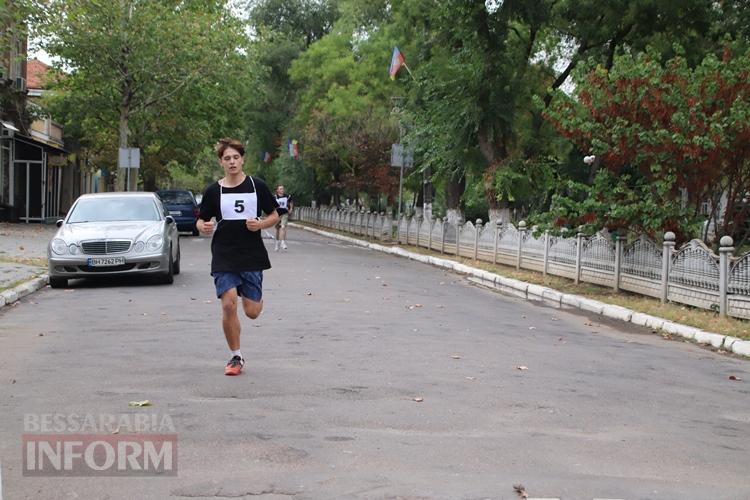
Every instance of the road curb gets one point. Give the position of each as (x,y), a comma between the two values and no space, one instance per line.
(554,297)
(10,296)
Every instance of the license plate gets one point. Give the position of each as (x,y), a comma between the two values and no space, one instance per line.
(105,261)
(175,212)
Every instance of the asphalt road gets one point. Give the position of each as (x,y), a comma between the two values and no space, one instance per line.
(371,376)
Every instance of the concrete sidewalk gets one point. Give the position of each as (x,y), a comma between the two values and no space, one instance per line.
(22,248)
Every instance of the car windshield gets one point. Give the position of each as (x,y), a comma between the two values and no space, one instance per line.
(114,209)
(176,197)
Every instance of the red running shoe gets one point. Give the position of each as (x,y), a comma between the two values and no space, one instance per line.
(234,367)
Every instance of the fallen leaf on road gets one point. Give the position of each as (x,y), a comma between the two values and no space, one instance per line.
(41,335)
(588,323)
(309,293)
(734,377)
(384,284)
(520,491)
(207,301)
(532,328)
(145,402)
(21,248)
(418,400)
(522,367)
(471,378)
(523,316)
(12,381)
(417,305)
(456,356)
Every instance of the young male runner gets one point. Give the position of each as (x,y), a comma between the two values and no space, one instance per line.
(238,255)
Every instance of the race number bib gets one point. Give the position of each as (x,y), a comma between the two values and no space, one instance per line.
(239,206)
(283,202)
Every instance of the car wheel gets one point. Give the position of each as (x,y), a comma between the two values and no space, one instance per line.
(168,278)
(176,265)
(58,282)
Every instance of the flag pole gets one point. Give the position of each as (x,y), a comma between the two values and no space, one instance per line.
(410,73)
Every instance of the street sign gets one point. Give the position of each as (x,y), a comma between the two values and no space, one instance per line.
(397,155)
(402,156)
(129,158)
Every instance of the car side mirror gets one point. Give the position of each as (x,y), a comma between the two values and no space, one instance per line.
(170,219)
(59,222)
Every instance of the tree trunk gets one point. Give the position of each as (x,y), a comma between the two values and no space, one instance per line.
(122,173)
(454,189)
(501,213)
(454,215)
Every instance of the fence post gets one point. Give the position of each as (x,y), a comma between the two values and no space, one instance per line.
(476,237)
(618,261)
(546,253)
(579,252)
(498,228)
(669,238)
(519,253)
(429,238)
(442,235)
(725,257)
(419,227)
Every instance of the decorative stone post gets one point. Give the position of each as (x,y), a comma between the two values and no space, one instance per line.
(618,261)
(429,235)
(476,237)
(521,234)
(579,253)
(725,256)
(442,234)
(546,253)
(420,221)
(498,228)
(667,249)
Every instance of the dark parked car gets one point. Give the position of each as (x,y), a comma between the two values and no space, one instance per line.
(182,206)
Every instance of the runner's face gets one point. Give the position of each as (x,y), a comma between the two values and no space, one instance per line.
(232,161)
(280,190)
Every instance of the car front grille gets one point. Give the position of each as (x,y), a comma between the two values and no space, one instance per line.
(105,247)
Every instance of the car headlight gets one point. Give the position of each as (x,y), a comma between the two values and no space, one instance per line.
(59,246)
(139,246)
(155,242)
(73,249)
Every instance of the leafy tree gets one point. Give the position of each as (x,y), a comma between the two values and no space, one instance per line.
(129,63)
(661,130)
(343,113)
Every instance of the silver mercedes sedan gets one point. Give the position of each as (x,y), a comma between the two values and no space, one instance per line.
(114,234)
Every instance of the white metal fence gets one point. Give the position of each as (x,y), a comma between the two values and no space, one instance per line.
(692,274)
